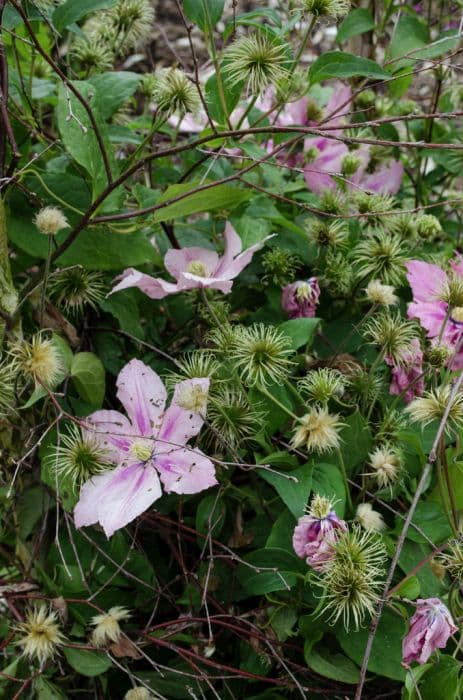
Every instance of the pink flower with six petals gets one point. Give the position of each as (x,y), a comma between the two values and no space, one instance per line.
(430,628)
(149,445)
(194,268)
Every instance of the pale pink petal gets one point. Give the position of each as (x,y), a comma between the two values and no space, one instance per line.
(189,124)
(430,315)
(243,259)
(185,471)
(112,431)
(190,281)
(294,113)
(233,247)
(143,395)
(327,162)
(154,287)
(177,261)
(386,179)
(185,416)
(118,497)
(362,152)
(457,264)
(426,280)
(336,106)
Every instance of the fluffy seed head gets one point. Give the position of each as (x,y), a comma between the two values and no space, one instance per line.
(338,275)
(318,431)
(350,164)
(390,333)
(323,384)
(386,465)
(439,355)
(452,293)
(428,226)
(38,359)
(354,577)
(382,294)
(381,256)
(325,8)
(94,55)
(260,354)
(78,457)
(7,388)
(452,561)
(138,693)
(280,266)
(174,93)
(74,287)
(258,60)
(232,420)
(368,518)
(106,626)
(50,220)
(375,205)
(40,635)
(328,234)
(333,202)
(432,407)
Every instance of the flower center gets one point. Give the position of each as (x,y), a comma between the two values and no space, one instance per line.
(193,398)
(304,292)
(142,450)
(457,314)
(198,268)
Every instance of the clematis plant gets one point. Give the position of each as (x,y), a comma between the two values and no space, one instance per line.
(149,447)
(430,629)
(438,303)
(195,268)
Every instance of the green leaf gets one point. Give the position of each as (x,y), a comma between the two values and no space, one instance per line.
(204,13)
(44,690)
(270,570)
(87,663)
(338,64)
(441,681)
(231,97)
(218,197)
(356,431)
(328,481)
(430,517)
(357,22)
(114,89)
(301,331)
(124,307)
(386,654)
(73,10)
(294,494)
(410,589)
(83,145)
(334,666)
(88,375)
(410,33)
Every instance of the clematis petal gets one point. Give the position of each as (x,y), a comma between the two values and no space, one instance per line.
(154,287)
(118,497)
(339,104)
(143,395)
(233,247)
(189,281)
(185,416)
(426,280)
(430,315)
(385,180)
(113,432)
(233,269)
(185,471)
(177,261)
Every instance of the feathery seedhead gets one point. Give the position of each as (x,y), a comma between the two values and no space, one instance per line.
(280,266)
(50,220)
(258,60)
(382,294)
(390,333)
(325,8)
(41,635)
(106,626)
(132,21)
(354,577)
(338,275)
(260,354)
(73,288)
(333,202)
(78,457)
(318,431)
(231,418)
(381,256)
(386,464)
(366,98)
(175,93)
(432,407)
(38,359)
(403,226)
(138,693)
(428,226)
(452,292)
(323,384)
(452,560)
(350,163)
(375,205)
(438,355)
(362,384)
(94,55)
(390,426)
(7,387)
(368,518)
(328,234)
(198,364)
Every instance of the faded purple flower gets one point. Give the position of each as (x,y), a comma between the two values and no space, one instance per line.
(407,376)
(316,532)
(194,268)
(430,628)
(149,446)
(300,299)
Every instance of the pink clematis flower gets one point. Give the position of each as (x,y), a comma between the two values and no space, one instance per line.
(149,445)
(316,532)
(194,268)
(430,628)
(300,299)
(430,286)
(407,375)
